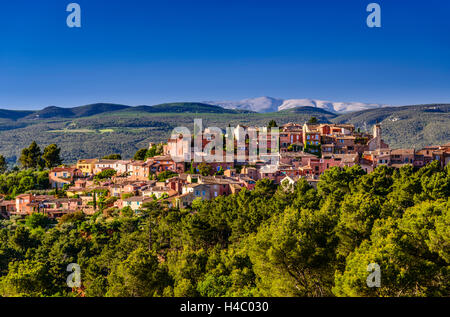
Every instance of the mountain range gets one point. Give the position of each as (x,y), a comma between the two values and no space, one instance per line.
(270,104)
(99,129)
(260,105)
(100,108)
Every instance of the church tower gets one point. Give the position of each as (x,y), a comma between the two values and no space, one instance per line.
(377,135)
(377,130)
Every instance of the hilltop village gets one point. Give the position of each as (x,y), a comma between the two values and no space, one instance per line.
(305,151)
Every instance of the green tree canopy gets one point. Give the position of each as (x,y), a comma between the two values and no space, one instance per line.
(270,241)
(140,155)
(166,175)
(154,150)
(37,220)
(3,164)
(313,120)
(106,174)
(205,169)
(139,275)
(412,252)
(31,157)
(272,124)
(112,157)
(51,156)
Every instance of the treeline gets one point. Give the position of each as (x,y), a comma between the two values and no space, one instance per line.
(19,182)
(271,241)
(154,150)
(33,158)
(33,174)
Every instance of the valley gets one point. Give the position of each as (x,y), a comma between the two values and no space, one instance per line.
(101,129)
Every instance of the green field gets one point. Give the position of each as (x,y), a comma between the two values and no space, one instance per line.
(82,131)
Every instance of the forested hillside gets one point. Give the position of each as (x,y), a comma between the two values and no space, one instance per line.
(266,242)
(409,126)
(125,131)
(99,129)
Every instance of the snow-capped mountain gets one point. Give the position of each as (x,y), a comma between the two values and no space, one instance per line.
(261,104)
(269,104)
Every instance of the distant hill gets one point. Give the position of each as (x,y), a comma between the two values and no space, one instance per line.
(270,104)
(100,129)
(260,104)
(13,114)
(183,107)
(372,116)
(406,126)
(322,115)
(54,112)
(332,106)
(76,112)
(307,110)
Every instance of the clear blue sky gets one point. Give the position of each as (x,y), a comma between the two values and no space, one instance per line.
(148,52)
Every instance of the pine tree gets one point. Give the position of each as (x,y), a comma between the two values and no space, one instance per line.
(3,164)
(31,157)
(51,156)
(94,200)
(272,124)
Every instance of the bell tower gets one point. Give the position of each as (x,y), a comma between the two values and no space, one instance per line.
(377,130)
(377,134)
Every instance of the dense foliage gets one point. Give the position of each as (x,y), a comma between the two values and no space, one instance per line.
(267,242)
(3,164)
(99,130)
(112,157)
(33,158)
(105,174)
(19,182)
(163,176)
(409,126)
(154,150)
